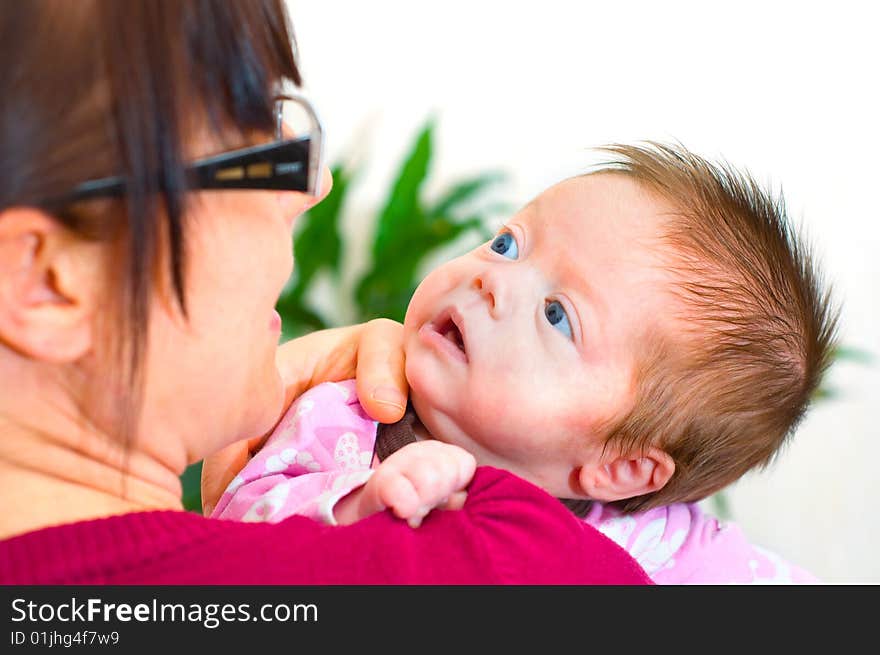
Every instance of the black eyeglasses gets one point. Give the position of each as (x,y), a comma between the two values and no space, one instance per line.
(286,164)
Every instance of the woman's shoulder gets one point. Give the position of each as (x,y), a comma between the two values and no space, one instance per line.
(103,550)
(508,532)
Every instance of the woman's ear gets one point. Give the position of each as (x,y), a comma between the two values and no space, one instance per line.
(50,281)
(626,476)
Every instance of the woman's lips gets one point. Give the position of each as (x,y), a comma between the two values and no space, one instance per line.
(445,334)
(275,321)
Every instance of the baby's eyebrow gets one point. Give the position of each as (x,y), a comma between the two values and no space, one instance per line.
(586,290)
(576,273)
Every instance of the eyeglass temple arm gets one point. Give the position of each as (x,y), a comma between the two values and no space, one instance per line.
(282,166)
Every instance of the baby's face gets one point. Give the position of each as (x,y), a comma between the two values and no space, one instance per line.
(520,349)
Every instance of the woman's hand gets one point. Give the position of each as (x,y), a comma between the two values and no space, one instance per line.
(370,352)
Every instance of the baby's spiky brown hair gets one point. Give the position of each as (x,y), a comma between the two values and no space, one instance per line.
(722,394)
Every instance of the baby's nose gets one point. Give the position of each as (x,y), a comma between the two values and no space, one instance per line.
(488,285)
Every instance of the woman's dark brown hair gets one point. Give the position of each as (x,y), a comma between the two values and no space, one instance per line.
(94,88)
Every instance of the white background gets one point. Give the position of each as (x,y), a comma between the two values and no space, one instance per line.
(785,89)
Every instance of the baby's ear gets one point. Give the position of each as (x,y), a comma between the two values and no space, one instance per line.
(626,476)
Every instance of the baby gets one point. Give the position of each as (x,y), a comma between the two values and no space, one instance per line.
(632,341)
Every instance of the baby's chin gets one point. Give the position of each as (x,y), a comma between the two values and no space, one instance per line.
(438,401)
(450,427)
(437,423)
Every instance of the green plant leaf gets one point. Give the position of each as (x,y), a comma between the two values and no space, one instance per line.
(443,230)
(191,483)
(721,506)
(462,192)
(317,244)
(402,214)
(297,318)
(838,354)
(848,353)
(385,290)
(825,393)
(407,231)
(385,296)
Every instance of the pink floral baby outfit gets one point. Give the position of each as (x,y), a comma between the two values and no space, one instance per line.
(322,449)
(680,544)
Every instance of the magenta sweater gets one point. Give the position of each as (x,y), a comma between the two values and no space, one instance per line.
(509,532)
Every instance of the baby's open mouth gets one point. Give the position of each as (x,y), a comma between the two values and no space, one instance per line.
(447,326)
(450,331)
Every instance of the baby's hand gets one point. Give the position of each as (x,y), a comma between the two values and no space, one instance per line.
(414,480)
(421,476)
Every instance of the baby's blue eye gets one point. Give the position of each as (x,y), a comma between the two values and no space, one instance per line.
(555,313)
(504,244)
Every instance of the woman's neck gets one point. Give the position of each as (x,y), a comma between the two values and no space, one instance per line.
(53,471)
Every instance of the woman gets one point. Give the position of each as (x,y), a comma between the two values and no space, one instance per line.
(146,207)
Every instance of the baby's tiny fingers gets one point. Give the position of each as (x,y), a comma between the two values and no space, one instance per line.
(416,519)
(455,501)
(467,466)
(432,479)
(397,492)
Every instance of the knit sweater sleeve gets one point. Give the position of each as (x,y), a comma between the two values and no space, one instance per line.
(509,532)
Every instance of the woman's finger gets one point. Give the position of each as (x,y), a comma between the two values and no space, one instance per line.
(381,383)
(219,469)
(373,352)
